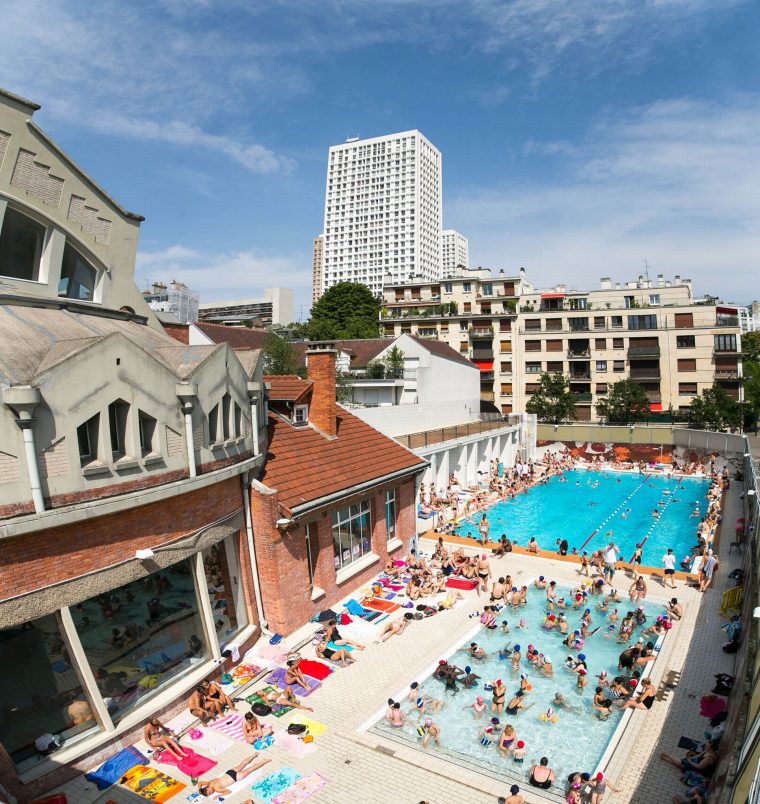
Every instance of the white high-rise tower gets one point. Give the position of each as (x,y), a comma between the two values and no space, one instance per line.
(382,211)
(454,251)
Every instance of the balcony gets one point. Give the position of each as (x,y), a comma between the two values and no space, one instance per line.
(727,321)
(726,350)
(578,326)
(583,397)
(482,354)
(578,354)
(486,376)
(727,374)
(580,375)
(654,397)
(643,351)
(645,373)
(481,332)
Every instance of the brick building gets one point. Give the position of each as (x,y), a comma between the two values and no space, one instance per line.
(335,498)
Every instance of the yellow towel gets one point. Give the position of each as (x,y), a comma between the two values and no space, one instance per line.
(315,729)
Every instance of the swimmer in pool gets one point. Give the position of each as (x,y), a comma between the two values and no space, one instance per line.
(478,707)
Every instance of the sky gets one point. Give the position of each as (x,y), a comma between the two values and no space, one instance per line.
(580,138)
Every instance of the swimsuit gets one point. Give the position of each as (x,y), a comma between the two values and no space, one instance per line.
(545,785)
(512,710)
(232,773)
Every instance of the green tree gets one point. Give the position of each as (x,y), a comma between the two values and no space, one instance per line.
(553,402)
(626,402)
(343,387)
(375,370)
(394,362)
(714,409)
(751,347)
(347,310)
(279,355)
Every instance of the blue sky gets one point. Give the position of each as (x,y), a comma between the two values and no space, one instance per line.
(579,138)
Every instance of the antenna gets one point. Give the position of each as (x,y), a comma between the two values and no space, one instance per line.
(646,269)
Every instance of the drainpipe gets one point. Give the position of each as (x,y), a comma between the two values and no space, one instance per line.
(186,393)
(246,484)
(254,389)
(23,399)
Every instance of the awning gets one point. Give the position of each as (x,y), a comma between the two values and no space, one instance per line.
(655,407)
(553,295)
(727,310)
(484,365)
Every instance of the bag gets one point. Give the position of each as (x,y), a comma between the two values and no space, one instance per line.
(276,639)
(308,738)
(226,679)
(195,734)
(261,709)
(296,728)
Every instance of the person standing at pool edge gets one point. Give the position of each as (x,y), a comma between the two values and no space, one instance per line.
(483,528)
(610,559)
(669,562)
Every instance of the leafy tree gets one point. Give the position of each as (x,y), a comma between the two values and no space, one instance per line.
(343,387)
(394,362)
(751,347)
(553,402)
(279,355)
(714,409)
(375,370)
(626,402)
(347,310)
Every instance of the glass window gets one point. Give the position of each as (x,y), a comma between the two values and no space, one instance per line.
(466,287)
(139,637)
(725,343)
(533,368)
(351,533)
(21,242)
(78,277)
(618,365)
(601,365)
(311,551)
(685,341)
(618,343)
(221,566)
(617,321)
(599,322)
(642,322)
(487,289)
(390,514)
(40,692)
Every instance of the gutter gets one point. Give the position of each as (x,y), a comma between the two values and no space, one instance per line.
(304,508)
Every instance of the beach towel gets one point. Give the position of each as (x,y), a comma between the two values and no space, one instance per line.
(378,604)
(301,789)
(274,653)
(711,705)
(181,721)
(294,745)
(314,669)
(371,616)
(461,583)
(113,769)
(244,673)
(278,710)
(353,607)
(274,784)
(345,619)
(333,646)
(193,764)
(151,783)
(212,742)
(314,728)
(278,677)
(323,616)
(231,725)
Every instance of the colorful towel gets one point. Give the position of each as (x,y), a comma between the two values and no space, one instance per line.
(315,729)
(231,725)
(244,673)
(301,789)
(378,604)
(314,669)
(274,784)
(193,764)
(353,607)
(278,710)
(294,745)
(278,677)
(151,783)
(461,583)
(113,769)
(212,742)
(370,616)
(333,646)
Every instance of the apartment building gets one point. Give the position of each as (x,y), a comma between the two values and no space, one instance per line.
(382,211)
(317,266)
(473,312)
(274,307)
(176,298)
(455,252)
(654,332)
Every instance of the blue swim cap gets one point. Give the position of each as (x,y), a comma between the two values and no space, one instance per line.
(588,611)
(517,647)
(514,588)
(540,577)
(611,627)
(467,668)
(419,701)
(582,657)
(577,631)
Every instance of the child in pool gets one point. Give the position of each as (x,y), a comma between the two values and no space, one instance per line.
(518,755)
(487,735)
(478,707)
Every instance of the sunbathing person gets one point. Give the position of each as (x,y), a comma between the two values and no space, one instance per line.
(214,692)
(391,570)
(395,627)
(293,675)
(202,707)
(160,738)
(333,635)
(451,598)
(284,697)
(220,785)
(341,657)
(253,729)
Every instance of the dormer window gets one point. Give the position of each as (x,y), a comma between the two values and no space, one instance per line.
(78,277)
(300,414)
(21,244)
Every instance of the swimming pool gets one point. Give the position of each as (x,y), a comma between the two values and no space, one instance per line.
(578,739)
(589,505)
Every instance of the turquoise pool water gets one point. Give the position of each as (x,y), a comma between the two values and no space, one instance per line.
(576,741)
(597,503)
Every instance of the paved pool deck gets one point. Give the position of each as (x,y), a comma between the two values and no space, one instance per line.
(361,766)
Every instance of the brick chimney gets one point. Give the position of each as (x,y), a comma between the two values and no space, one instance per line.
(320,361)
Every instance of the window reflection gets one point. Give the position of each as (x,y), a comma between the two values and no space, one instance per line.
(21,242)
(222,570)
(42,703)
(78,277)
(141,636)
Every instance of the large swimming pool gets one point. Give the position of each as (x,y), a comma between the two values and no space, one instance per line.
(576,741)
(589,505)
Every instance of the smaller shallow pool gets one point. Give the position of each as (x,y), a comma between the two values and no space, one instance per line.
(576,741)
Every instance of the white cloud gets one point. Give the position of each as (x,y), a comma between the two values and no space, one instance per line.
(674,183)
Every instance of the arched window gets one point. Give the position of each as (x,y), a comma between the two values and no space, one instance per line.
(21,244)
(78,277)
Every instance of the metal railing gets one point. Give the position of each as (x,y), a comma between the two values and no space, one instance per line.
(428,438)
(643,351)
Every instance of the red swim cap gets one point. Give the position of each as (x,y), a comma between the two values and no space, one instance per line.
(520,744)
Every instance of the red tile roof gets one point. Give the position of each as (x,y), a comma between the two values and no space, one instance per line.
(287,387)
(362,351)
(236,337)
(304,466)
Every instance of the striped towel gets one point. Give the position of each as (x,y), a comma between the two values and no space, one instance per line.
(231,725)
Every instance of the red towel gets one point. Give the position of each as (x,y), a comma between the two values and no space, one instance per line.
(711,705)
(314,669)
(460,583)
(345,619)
(193,764)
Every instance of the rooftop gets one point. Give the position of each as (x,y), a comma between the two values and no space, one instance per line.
(287,387)
(236,337)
